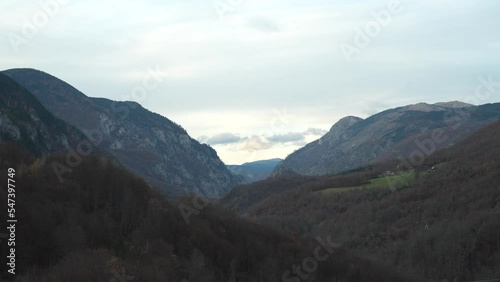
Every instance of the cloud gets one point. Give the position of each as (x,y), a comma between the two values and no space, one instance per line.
(263,24)
(260,142)
(221,138)
(202,139)
(315,131)
(296,137)
(288,137)
(255,143)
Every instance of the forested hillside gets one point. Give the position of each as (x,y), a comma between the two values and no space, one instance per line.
(103,223)
(440,220)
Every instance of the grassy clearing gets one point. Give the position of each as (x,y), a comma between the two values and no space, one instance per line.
(394,182)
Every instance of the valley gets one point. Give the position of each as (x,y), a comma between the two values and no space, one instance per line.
(439,223)
(403,195)
(249,141)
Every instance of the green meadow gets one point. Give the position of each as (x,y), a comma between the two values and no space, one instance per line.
(393,182)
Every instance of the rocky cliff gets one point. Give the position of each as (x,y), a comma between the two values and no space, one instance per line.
(146,143)
(23,120)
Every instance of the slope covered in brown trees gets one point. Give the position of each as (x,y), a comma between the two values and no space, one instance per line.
(441,223)
(103,223)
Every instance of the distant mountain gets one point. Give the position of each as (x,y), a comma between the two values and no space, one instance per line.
(453,104)
(148,144)
(353,142)
(23,120)
(255,171)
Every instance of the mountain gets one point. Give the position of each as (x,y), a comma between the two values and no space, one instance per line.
(453,104)
(149,145)
(23,120)
(404,132)
(255,171)
(438,220)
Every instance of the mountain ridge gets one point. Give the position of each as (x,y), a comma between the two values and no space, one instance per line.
(23,119)
(150,145)
(256,170)
(390,133)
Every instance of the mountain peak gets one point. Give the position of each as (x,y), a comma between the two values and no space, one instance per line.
(440,106)
(340,127)
(345,123)
(453,104)
(423,107)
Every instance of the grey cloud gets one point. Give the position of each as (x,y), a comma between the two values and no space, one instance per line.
(223,138)
(296,137)
(315,131)
(263,24)
(202,139)
(288,137)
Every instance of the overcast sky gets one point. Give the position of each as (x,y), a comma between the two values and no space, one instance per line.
(258,79)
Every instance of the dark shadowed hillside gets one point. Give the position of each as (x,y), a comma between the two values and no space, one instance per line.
(104,223)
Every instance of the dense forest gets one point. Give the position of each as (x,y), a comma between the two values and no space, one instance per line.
(104,224)
(440,220)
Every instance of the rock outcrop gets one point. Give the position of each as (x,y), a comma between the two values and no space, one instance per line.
(148,144)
